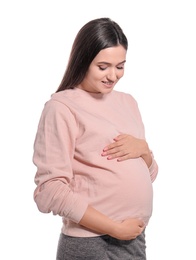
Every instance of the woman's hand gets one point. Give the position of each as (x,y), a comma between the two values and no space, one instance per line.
(128,229)
(100,223)
(127,147)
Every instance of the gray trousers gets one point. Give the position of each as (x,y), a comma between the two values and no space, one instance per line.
(100,248)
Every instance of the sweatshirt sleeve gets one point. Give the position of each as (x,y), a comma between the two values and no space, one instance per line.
(53,155)
(153,169)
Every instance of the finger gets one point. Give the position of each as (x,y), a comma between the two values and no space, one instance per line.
(120,156)
(124,157)
(114,156)
(119,137)
(119,141)
(112,146)
(142,224)
(117,150)
(112,150)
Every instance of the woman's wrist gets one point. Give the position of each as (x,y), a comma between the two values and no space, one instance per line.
(146,156)
(98,222)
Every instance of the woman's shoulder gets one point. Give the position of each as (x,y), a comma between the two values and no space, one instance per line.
(124,95)
(63,95)
(56,102)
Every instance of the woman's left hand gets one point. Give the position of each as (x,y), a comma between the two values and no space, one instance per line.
(126,147)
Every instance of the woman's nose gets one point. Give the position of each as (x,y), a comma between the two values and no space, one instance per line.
(112,75)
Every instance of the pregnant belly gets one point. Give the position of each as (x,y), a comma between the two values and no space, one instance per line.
(127,191)
(119,190)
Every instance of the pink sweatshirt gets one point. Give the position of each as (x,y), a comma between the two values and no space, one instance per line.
(74,128)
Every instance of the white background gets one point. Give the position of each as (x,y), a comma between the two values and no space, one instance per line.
(36,38)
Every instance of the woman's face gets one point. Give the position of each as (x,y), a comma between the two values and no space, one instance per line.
(105,70)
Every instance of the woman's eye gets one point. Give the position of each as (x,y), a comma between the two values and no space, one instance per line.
(102,68)
(120,67)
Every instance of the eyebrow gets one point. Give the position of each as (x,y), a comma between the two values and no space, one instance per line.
(107,63)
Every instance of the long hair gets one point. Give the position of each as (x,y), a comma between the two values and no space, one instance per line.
(94,36)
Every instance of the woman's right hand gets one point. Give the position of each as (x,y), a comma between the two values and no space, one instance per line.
(128,229)
(100,223)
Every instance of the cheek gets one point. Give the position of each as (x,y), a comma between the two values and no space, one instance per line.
(98,75)
(95,74)
(120,74)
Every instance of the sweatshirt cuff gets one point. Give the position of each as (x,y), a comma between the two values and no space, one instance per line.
(153,169)
(78,210)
